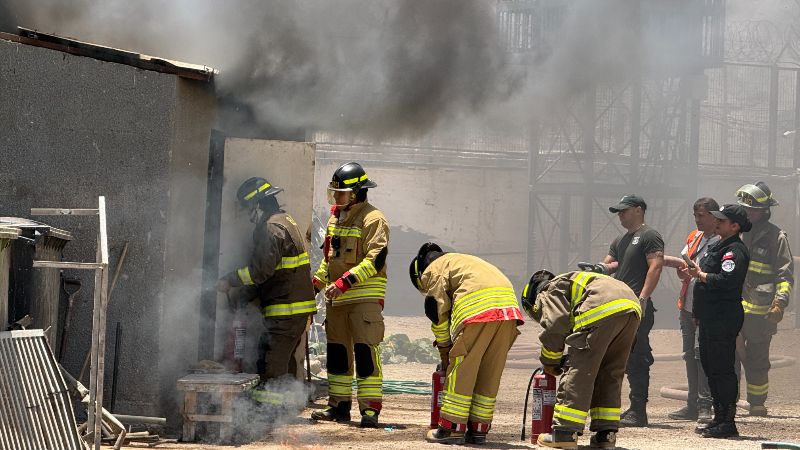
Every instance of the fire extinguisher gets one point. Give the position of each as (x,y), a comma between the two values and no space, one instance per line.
(437,393)
(544,400)
(236,339)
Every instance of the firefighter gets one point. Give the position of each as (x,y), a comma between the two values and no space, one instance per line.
(353,276)
(474,315)
(280,273)
(767,290)
(718,311)
(597,317)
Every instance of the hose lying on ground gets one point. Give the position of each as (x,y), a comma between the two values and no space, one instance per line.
(680,391)
(396,386)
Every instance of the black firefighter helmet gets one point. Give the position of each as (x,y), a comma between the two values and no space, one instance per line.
(758,196)
(349,177)
(537,283)
(421,262)
(255,189)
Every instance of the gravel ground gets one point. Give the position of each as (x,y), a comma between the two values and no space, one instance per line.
(405,417)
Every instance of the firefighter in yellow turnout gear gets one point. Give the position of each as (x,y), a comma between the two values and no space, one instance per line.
(597,317)
(353,276)
(279,272)
(474,314)
(767,290)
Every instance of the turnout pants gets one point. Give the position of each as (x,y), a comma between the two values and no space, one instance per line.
(476,364)
(354,332)
(640,359)
(699,392)
(757,335)
(278,344)
(718,353)
(592,384)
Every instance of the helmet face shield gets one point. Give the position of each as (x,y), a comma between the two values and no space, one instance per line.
(332,193)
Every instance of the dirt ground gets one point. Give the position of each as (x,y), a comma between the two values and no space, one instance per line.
(405,417)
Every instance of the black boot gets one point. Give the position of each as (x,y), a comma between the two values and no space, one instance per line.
(369,418)
(338,413)
(727,427)
(685,413)
(635,416)
(716,420)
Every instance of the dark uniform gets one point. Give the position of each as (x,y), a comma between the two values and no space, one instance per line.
(281,273)
(631,250)
(719,311)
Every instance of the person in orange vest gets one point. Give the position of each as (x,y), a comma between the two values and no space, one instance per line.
(698,402)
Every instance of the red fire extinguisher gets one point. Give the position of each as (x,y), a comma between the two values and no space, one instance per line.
(437,394)
(544,400)
(234,348)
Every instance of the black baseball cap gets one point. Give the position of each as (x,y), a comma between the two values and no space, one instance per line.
(734,213)
(629,201)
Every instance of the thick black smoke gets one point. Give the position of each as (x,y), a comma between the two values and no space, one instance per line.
(373,67)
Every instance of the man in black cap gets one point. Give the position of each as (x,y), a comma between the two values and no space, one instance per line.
(636,258)
(718,310)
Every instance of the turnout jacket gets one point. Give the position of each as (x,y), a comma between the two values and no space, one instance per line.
(279,268)
(355,250)
(770,275)
(725,264)
(578,301)
(462,289)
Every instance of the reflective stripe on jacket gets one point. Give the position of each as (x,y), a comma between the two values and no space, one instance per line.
(576,301)
(353,244)
(770,275)
(279,268)
(467,289)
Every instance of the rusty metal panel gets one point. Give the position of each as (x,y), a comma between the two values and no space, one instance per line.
(35,405)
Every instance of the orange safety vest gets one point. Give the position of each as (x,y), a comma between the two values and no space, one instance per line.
(692,242)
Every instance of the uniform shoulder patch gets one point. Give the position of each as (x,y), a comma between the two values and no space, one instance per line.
(728,265)
(729,255)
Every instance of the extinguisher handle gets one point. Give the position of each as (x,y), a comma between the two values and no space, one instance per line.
(527,395)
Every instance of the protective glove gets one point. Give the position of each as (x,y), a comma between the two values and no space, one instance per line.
(444,355)
(775,313)
(555,371)
(589,267)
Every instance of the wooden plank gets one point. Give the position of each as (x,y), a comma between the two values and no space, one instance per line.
(214,388)
(226,428)
(189,408)
(208,418)
(67,265)
(62,212)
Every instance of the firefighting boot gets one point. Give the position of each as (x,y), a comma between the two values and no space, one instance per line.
(604,439)
(713,422)
(369,418)
(442,435)
(558,439)
(338,413)
(685,413)
(727,427)
(476,433)
(758,411)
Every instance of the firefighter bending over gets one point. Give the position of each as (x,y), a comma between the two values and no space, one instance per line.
(597,317)
(280,273)
(353,276)
(474,315)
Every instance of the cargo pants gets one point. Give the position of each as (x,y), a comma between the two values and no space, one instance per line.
(592,384)
(355,332)
(476,364)
(757,334)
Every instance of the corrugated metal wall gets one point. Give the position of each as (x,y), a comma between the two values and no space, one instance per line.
(35,405)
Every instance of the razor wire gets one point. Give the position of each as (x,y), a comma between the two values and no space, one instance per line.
(762,42)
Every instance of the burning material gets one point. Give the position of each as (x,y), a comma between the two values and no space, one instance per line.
(35,406)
